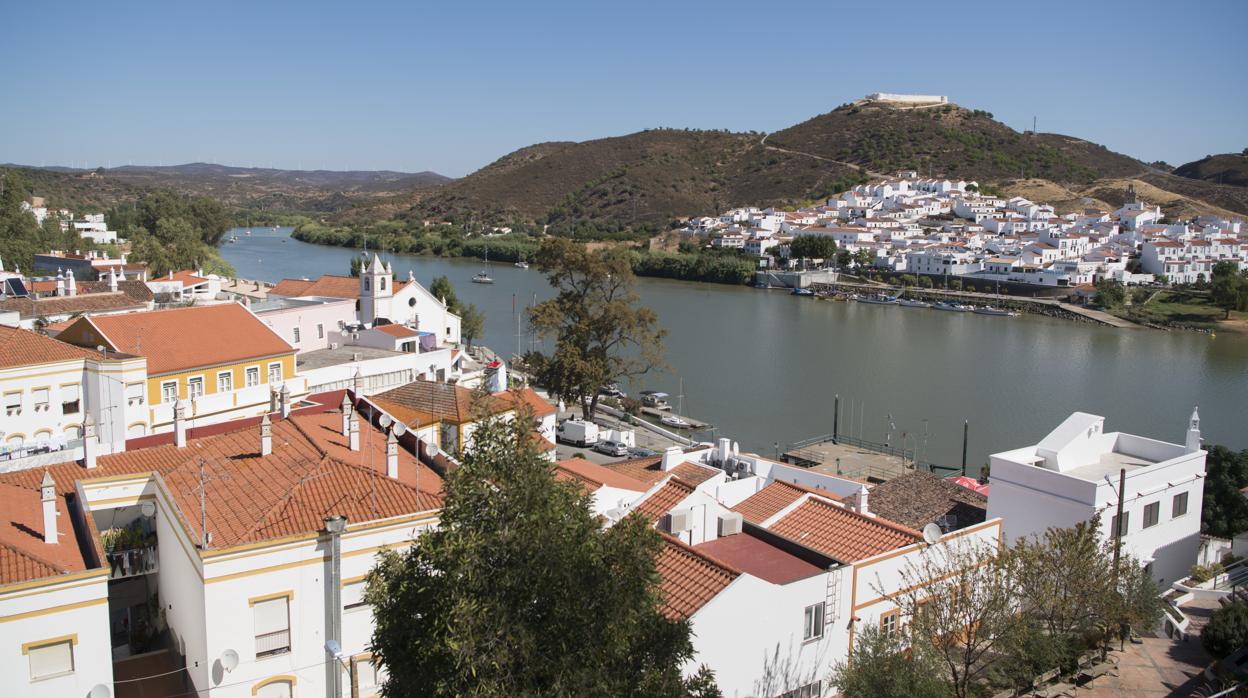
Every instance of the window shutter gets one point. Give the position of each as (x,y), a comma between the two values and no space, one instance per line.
(69,393)
(51,660)
(272,616)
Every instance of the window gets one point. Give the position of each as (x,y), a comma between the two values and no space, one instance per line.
(295,333)
(251,377)
(195,387)
(275,373)
(1151,513)
(320,330)
(70,399)
(50,657)
(39,396)
(813,623)
(134,394)
(382,286)
(888,623)
(1121,529)
(810,690)
(12,403)
(368,677)
(353,595)
(1179,506)
(272,618)
(225,381)
(367,287)
(168,391)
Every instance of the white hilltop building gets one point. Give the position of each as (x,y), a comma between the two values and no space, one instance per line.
(1073,474)
(907,99)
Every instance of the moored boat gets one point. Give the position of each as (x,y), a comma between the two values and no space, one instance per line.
(801,292)
(989,310)
(878,300)
(672,420)
(911,303)
(482,278)
(952,307)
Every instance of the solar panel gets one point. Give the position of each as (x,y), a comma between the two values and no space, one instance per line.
(15,288)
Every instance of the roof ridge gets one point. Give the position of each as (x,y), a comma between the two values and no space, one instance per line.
(263,520)
(315,445)
(873,519)
(34,557)
(706,557)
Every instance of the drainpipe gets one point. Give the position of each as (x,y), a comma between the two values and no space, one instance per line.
(334,526)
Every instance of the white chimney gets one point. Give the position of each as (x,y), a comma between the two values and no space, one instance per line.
(1193,432)
(284,398)
(392,455)
(266,436)
(346,415)
(355,432)
(112,280)
(723,449)
(357,384)
(179,424)
(861,501)
(272,399)
(71,285)
(89,442)
(672,457)
(47,489)
(60,282)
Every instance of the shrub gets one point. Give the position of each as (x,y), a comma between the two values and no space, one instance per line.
(1203,573)
(1227,630)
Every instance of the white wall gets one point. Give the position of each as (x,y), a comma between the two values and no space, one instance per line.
(75,605)
(307,318)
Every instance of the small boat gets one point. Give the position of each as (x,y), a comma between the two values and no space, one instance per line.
(655,399)
(801,292)
(952,307)
(248,232)
(878,300)
(522,264)
(482,278)
(998,312)
(911,303)
(672,420)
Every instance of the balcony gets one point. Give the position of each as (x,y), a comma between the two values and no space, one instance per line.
(132,562)
(273,643)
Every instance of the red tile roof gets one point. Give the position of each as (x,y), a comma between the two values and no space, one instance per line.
(689,579)
(759,558)
(662,500)
(186,338)
(648,470)
(840,533)
(20,347)
(769,501)
(325,429)
(329,285)
(397,331)
(23,553)
(594,476)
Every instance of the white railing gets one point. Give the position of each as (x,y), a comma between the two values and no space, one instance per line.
(273,643)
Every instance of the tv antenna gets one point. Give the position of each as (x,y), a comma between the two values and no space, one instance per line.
(205,538)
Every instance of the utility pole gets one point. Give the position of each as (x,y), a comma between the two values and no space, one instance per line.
(1122,483)
(966,426)
(334,526)
(836,418)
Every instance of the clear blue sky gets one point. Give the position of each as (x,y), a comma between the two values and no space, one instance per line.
(452,85)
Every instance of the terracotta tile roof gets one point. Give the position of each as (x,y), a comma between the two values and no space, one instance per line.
(397,331)
(65,305)
(840,533)
(759,558)
(136,290)
(689,579)
(662,500)
(185,338)
(528,396)
(20,347)
(427,401)
(328,285)
(325,429)
(23,553)
(918,498)
(187,277)
(594,476)
(769,501)
(648,470)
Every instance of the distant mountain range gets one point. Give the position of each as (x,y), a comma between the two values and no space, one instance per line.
(655,176)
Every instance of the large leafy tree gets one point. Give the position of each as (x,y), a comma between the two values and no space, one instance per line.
(1229,287)
(600,332)
(1224,511)
(521,592)
(812,247)
(170,231)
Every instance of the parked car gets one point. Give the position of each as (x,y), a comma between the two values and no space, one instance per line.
(611,448)
(639,452)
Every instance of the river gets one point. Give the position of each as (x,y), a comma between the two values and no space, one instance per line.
(763,366)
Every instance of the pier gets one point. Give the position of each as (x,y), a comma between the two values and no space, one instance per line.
(847,456)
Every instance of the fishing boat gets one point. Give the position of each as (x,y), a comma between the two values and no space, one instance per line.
(998,312)
(672,420)
(911,303)
(952,307)
(801,292)
(482,278)
(878,300)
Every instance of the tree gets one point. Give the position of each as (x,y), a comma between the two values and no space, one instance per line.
(600,333)
(442,288)
(520,590)
(925,282)
(812,247)
(1224,510)
(863,258)
(471,323)
(882,668)
(1227,630)
(1229,289)
(1110,293)
(843,258)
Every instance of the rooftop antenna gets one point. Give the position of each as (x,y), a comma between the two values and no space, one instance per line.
(205,538)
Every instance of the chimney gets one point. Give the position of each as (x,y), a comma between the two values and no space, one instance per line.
(346,415)
(266,436)
(272,399)
(860,501)
(112,280)
(284,398)
(355,431)
(392,455)
(179,424)
(47,489)
(672,457)
(71,285)
(723,449)
(89,443)
(60,282)
(357,384)
(1193,432)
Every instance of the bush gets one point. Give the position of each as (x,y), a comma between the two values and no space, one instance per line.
(1203,573)
(1227,630)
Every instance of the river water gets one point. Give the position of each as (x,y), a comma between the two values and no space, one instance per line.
(763,366)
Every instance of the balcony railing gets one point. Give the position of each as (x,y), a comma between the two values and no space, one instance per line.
(273,643)
(132,562)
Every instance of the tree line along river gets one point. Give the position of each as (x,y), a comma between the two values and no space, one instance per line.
(764,366)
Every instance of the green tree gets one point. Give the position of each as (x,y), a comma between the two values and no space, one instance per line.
(1227,630)
(812,247)
(843,258)
(882,668)
(1110,293)
(471,323)
(1229,288)
(601,334)
(864,258)
(1224,510)
(442,288)
(925,282)
(520,591)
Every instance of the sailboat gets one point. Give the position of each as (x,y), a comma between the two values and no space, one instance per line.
(483,276)
(675,420)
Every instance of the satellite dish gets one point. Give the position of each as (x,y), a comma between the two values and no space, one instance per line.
(385,421)
(932,534)
(400,428)
(229,660)
(431,449)
(148,509)
(99,690)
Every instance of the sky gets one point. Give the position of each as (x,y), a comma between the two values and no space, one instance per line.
(451,86)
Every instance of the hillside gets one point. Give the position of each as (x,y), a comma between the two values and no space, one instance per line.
(244,187)
(1228,168)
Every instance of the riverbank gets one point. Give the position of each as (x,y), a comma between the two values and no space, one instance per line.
(1185,310)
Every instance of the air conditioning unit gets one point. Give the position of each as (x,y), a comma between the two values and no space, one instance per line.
(730,524)
(680,521)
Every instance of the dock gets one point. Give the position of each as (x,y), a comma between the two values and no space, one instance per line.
(857,459)
(656,413)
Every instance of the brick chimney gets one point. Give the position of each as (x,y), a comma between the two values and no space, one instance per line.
(392,455)
(355,431)
(179,423)
(346,415)
(47,490)
(90,445)
(266,436)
